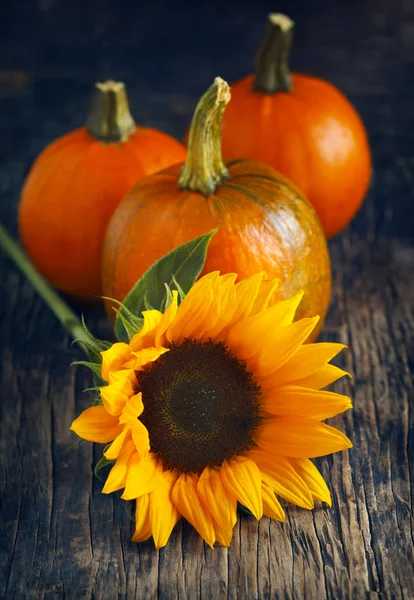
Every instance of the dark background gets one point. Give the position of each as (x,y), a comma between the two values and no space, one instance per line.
(59,537)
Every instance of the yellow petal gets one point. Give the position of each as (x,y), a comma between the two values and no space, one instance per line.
(142,522)
(193,311)
(133,409)
(96,425)
(280,345)
(140,438)
(300,437)
(323,377)
(223,535)
(167,318)
(241,478)
(271,505)
(313,479)
(163,514)
(222,308)
(146,337)
(142,477)
(145,356)
(305,402)
(114,449)
(116,394)
(246,294)
(264,297)
(221,503)
(117,475)
(114,358)
(189,504)
(284,311)
(306,361)
(280,475)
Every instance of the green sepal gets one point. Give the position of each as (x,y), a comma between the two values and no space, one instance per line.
(181,266)
(97,402)
(104,462)
(95,367)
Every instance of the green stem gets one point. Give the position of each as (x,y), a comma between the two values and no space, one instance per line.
(60,309)
(109,118)
(204,168)
(272,69)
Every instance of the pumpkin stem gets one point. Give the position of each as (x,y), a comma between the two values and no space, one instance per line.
(109,119)
(204,168)
(272,69)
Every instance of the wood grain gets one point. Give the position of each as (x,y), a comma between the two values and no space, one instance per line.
(59,536)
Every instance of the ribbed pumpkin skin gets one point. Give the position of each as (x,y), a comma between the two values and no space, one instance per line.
(70,194)
(265,225)
(312,134)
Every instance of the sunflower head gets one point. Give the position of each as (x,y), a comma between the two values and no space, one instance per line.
(217,401)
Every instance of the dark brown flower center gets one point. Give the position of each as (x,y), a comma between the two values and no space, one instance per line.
(201,406)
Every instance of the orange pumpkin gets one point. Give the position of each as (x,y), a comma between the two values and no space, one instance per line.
(77,182)
(266,224)
(302,126)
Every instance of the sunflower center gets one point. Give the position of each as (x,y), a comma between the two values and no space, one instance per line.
(201,406)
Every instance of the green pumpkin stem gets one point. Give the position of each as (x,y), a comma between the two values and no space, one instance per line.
(272,70)
(109,118)
(204,168)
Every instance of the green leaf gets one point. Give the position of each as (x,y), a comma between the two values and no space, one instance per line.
(181,266)
(104,462)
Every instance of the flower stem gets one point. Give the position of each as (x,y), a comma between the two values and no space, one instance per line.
(109,118)
(204,168)
(60,309)
(272,69)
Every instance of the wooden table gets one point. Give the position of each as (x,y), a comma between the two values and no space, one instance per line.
(60,537)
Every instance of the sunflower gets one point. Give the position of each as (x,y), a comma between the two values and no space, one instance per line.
(213,402)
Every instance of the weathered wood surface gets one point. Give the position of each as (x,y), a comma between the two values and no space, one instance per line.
(60,537)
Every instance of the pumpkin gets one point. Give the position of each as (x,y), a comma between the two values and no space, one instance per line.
(265,222)
(77,182)
(302,126)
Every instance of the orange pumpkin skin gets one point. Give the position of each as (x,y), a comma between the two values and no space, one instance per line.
(70,194)
(311,134)
(265,225)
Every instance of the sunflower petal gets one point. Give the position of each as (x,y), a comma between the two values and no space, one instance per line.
(315,404)
(133,409)
(117,475)
(142,522)
(193,311)
(279,474)
(140,438)
(143,475)
(264,297)
(223,307)
(241,478)
(221,503)
(223,536)
(300,437)
(166,320)
(278,347)
(114,358)
(163,514)
(117,393)
(271,505)
(113,451)
(323,377)
(313,479)
(96,425)
(189,504)
(306,361)
(146,336)
(141,358)
(246,293)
